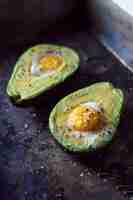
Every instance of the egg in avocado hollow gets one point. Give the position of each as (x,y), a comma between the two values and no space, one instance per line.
(41,68)
(87,119)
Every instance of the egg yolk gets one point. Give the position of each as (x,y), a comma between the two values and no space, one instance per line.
(51,62)
(84,119)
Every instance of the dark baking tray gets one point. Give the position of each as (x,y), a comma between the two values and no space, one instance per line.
(32,165)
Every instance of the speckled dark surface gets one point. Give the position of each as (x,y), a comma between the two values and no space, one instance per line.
(32,165)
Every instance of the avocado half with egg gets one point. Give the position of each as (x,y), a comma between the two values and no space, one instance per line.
(87,119)
(40,68)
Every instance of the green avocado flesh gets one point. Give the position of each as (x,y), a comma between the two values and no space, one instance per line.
(24,86)
(103,93)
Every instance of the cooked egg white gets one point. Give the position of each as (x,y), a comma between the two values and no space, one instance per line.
(93,105)
(88,112)
(46,64)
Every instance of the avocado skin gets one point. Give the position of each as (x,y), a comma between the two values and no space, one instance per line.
(102,141)
(72,64)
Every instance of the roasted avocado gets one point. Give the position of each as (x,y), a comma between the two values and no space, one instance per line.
(87,119)
(40,68)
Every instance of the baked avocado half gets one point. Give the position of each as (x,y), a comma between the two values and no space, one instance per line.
(40,68)
(87,119)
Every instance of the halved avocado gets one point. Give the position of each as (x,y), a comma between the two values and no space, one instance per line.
(103,93)
(24,86)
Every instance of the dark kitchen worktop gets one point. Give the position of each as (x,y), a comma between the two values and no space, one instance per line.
(32,165)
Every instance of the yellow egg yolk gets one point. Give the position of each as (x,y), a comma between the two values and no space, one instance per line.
(51,62)
(84,119)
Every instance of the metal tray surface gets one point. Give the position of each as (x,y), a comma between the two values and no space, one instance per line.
(32,165)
